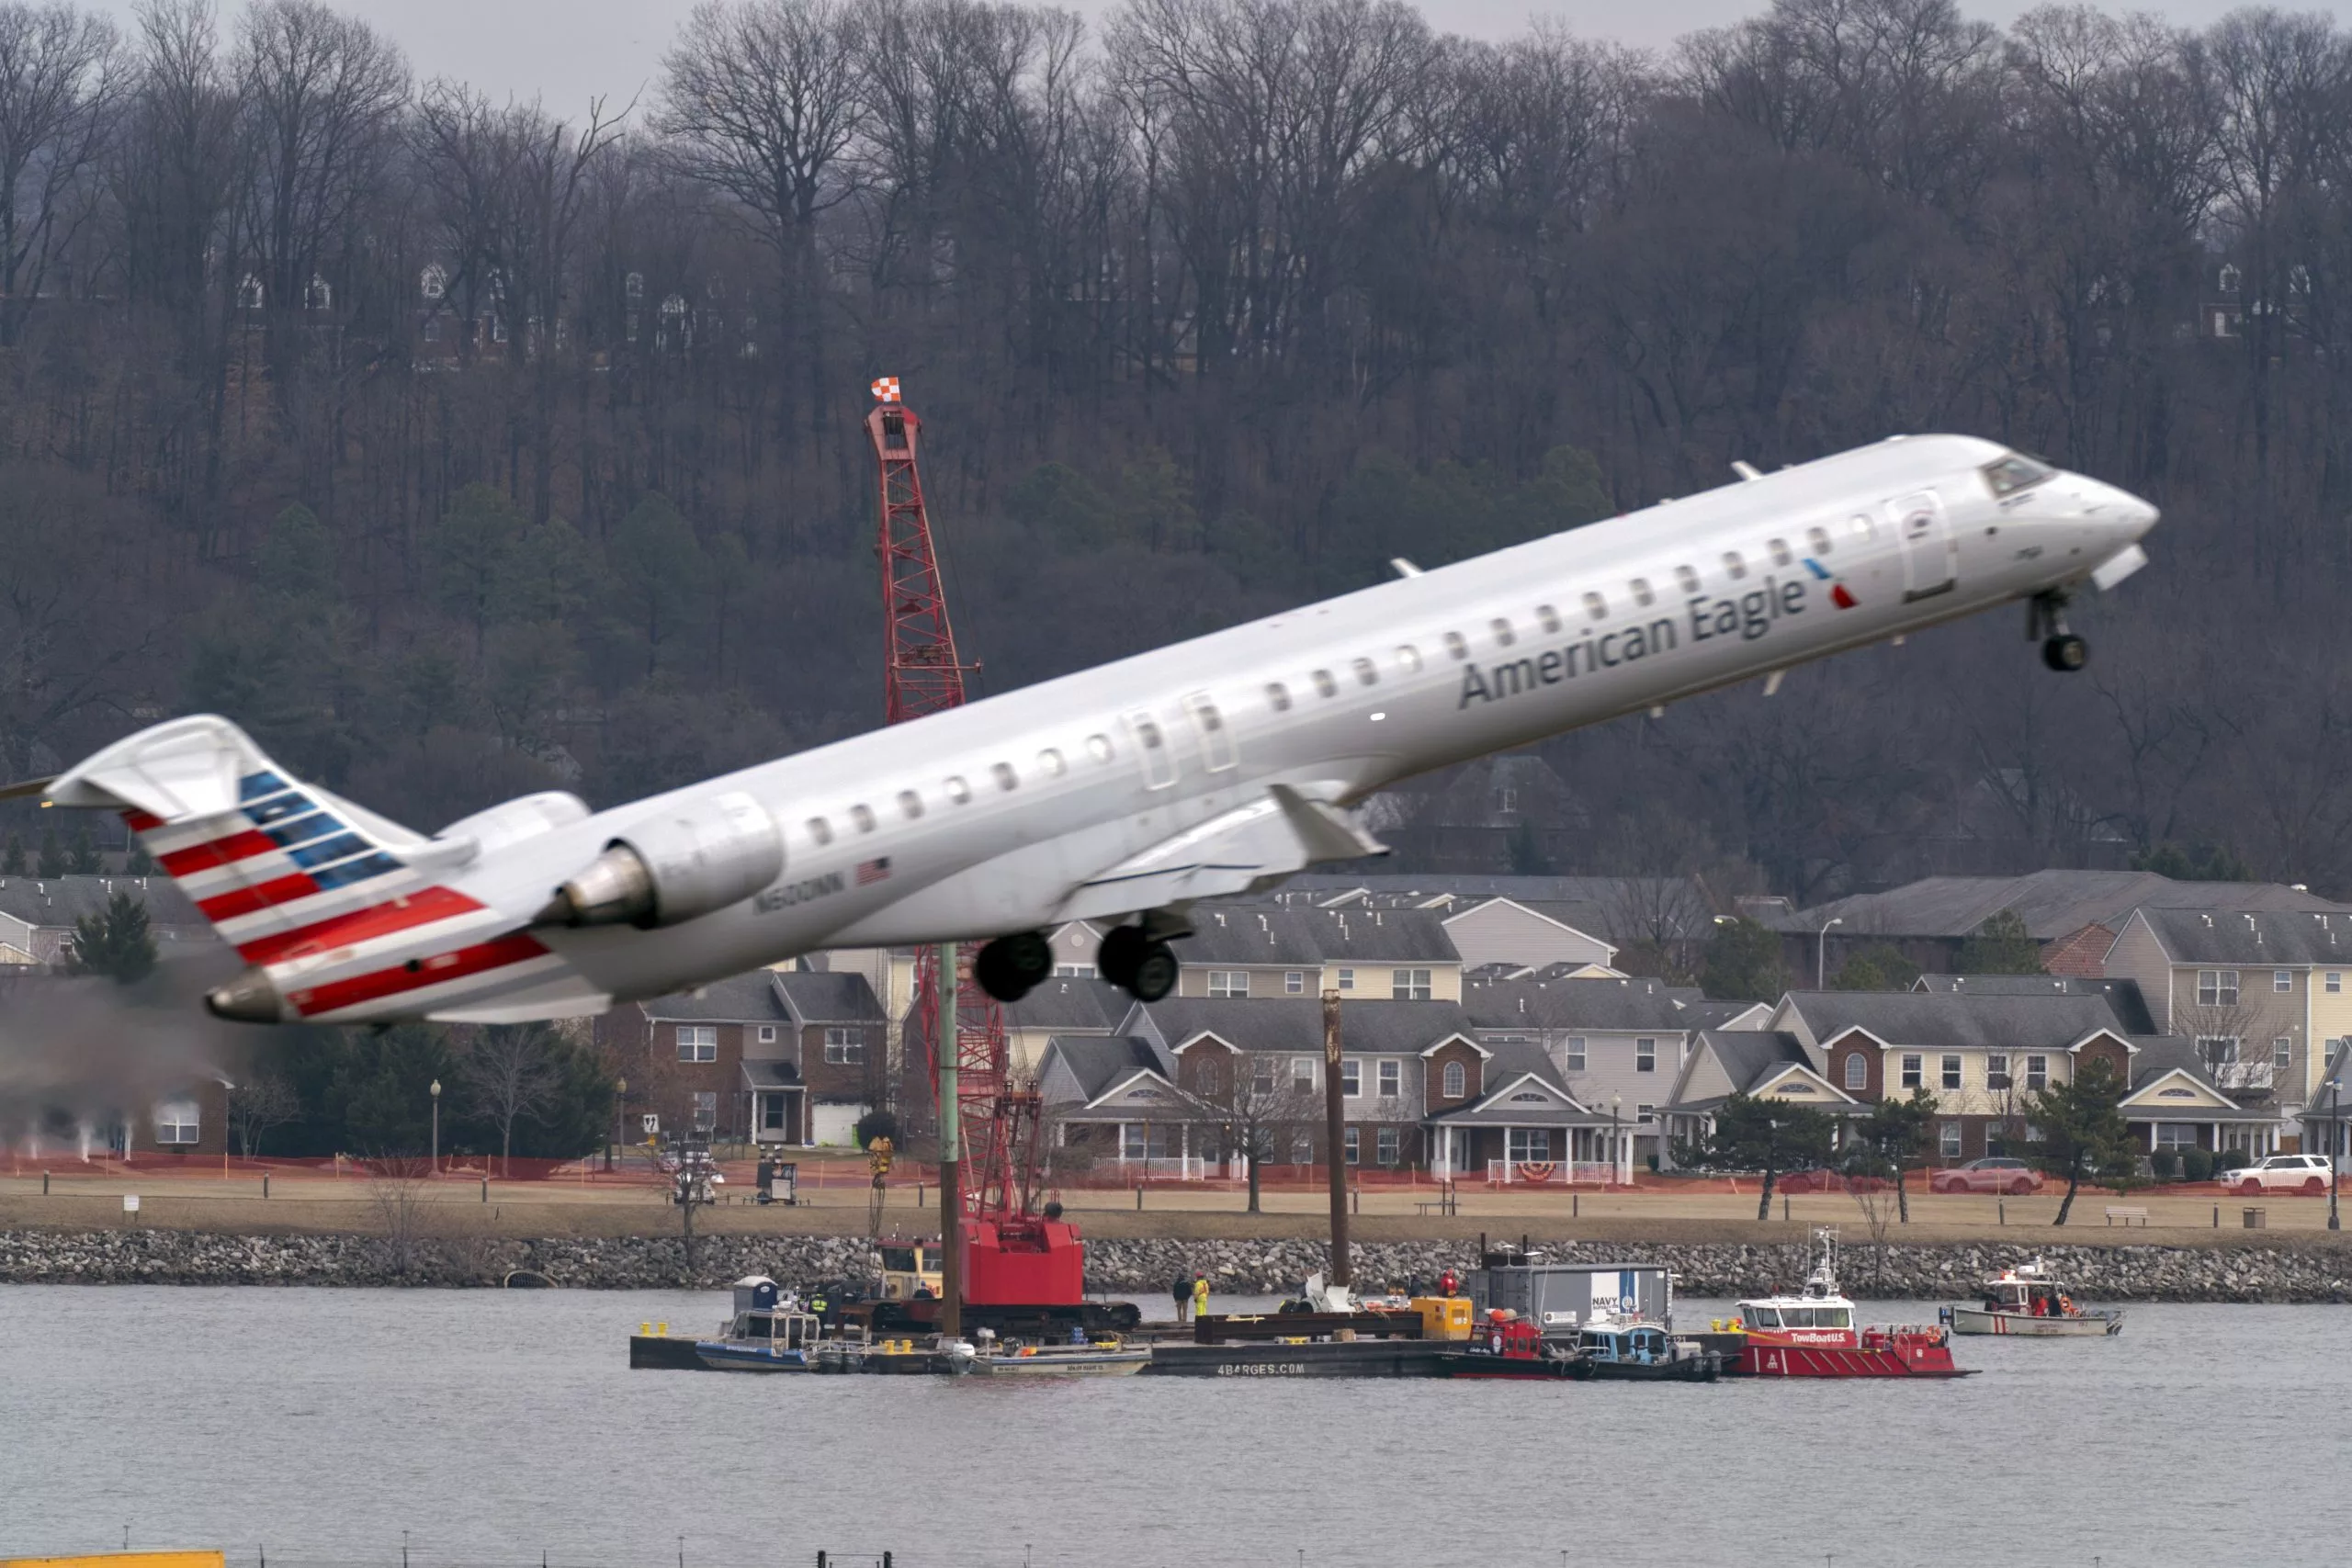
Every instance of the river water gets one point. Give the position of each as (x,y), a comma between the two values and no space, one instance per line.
(332,1427)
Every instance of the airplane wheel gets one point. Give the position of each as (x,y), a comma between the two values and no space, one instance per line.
(1155,974)
(1028,957)
(2066,652)
(1122,950)
(999,975)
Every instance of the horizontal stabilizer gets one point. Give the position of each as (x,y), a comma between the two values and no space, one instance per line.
(1280,833)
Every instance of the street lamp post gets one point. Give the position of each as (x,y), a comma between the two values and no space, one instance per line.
(1616,1143)
(2335,1142)
(1820,952)
(620,1093)
(437,1126)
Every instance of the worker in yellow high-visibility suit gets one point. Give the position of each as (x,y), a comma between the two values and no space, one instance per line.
(1200,1295)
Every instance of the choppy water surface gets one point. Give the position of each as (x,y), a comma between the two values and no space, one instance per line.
(495,1427)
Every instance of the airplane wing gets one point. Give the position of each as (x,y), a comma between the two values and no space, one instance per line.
(1280,833)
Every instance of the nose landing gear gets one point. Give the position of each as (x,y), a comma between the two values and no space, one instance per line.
(1137,962)
(2060,650)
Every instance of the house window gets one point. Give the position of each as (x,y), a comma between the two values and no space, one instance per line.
(1384,1147)
(1392,1079)
(844,1047)
(1208,1080)
(772,1113)
(2175,1136)
(1951,1072)
(1913,1072)
(2217,987)
(1948,1139)
(1646,1055)
(1456,1080)
(2282,979)
(1302,1147)
(1261,1077)
(1355,1146)
(1858,1071)
(2334,982)
(1135,1141)
(2037,1073)
(177,1124)
(697,1042)
(2217,1051)
(1302,1073)
(1997,1070)
(1409,984)
(1351,1078)
(1347,980)
(1575,1059)
(1229,982)
(2282,1053)
(705,1108)
(1644,1112)
(1526,1144)
(767,1034)
(1294,983)
(1506,801)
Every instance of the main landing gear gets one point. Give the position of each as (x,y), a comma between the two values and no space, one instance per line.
(1137,961)
(2061,648)
(1009,968)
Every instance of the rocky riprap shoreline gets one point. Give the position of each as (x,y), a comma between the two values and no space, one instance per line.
(2140,1273)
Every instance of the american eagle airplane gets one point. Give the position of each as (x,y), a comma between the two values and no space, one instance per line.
(1118,795)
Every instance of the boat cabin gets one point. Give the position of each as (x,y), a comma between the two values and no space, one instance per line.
(2026,1291)
(765,1315)
(1775,1313)
(1634,1343)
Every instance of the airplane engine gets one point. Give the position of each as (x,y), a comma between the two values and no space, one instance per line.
(697,856)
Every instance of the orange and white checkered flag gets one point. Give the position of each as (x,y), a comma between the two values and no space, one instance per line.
(886,388)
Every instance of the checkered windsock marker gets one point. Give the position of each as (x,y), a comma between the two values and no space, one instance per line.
(886,388)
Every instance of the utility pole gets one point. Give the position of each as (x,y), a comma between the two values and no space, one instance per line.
(951,1181)
(1335,1147)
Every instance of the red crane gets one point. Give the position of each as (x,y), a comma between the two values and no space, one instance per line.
(1011,1256)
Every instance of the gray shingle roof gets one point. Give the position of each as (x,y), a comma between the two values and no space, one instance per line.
(2123,995)
(2051,903)
(1752,1056)
(1957,1022)
(758,1074)
(1071,1002)
(1372,1028)
(1098,1062)
(739,998)
(1269,934)
(829,996)
(2251,939)
(1631,1003)
(61,900)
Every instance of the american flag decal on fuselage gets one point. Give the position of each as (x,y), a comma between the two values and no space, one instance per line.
(294,886)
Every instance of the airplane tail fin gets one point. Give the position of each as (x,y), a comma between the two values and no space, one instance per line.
(264,856)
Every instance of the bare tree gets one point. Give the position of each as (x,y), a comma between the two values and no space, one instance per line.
(263,1100)
(395,1188)
(510,1073)
(1250,1105)
(59,78)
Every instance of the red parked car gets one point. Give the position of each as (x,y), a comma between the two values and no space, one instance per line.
(2013,1176)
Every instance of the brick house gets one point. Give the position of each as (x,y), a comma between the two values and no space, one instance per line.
(779,1056)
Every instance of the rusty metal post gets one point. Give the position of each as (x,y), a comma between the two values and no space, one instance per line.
(1335,1153)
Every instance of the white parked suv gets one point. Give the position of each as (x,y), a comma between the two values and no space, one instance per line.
(2280,1173)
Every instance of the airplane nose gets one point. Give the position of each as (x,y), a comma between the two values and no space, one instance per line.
(2126,513)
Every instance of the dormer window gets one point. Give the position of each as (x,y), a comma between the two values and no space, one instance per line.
(2229,278)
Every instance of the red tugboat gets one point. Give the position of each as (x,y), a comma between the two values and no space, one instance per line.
(1814,1335)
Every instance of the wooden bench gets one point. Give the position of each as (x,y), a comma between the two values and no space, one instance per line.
(1445,1202)
(2127,1212)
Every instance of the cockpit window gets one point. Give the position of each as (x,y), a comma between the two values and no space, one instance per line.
(2009,474)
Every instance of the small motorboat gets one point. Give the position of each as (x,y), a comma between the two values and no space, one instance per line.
(1511,1348)
(1632,1350)
(768,1333)
(1813,1333)
(997,1358)
(2030,1300)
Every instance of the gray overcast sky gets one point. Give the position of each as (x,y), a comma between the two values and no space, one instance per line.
(566,50)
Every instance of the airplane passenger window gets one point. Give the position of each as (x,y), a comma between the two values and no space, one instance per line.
(861,819)
(1278,696)
(910,804)
(1325,685)
(1454,647)
(957,790)
(1408,658)
(1781,556)
(1642,594)
(1687,578)
(1051,761)
(1003,775)
(1548,618)
(1734,565)
(820,830)
(1819,539)
(1099,747)
(1145,731)
(1863,529)
(1595,606)
(1504,636)
(1366,672)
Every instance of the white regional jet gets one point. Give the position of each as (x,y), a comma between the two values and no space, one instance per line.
(1120,793)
